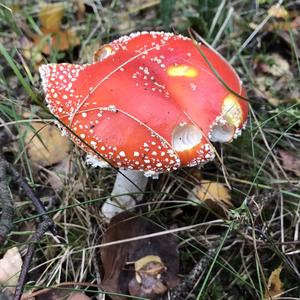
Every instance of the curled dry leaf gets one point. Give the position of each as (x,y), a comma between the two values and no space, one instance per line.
(273,77)
(45,144)
(142,267)
(78,296)
(57,294)
(215,195)
(275,286)
(60,173)
(80,9)
(275,65)
(53,37)
(215,191)
(10,267)
(278,11)
(290,161)
(59,41)
(50,16)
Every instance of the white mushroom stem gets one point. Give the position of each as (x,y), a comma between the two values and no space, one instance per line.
(120,202)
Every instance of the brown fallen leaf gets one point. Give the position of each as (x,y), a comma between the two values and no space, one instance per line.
(56,294)
(80,9)
(78,296)
(52,37)
(60,173)
(275,285)
(56,41)
(290,161)
(142,267)
(10,267)
(45,144)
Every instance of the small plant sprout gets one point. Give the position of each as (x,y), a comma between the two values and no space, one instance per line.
(149,104)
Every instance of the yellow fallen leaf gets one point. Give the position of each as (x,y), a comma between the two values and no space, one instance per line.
(52,37)
(275,286)
(45,144)
(215,191)
(10,267)
(278,11)
(50,16)
(140,263)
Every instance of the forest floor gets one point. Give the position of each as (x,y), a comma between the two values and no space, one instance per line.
(241,217)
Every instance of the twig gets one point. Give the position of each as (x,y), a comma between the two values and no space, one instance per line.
(6,202)
(43,227)
(6,170)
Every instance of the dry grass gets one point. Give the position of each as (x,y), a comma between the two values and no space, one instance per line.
(258,235)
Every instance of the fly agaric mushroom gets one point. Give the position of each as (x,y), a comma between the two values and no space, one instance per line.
(151,104)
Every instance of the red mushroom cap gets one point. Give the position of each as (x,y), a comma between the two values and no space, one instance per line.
(151,103)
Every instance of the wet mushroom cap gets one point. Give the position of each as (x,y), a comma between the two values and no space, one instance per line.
(150,103)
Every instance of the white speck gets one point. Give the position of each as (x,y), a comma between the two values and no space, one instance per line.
(84,114)
(82,135)
(193,86)
(136,154)
(122,154)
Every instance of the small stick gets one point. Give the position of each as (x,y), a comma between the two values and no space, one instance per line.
(46,224)
(39,206)
(43,227)
(6,202)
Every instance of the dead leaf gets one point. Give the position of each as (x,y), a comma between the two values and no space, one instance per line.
(290,162)
(50,16)
(273,80)
(56,41)
(215,191)
(58,294)
(78,296)
(10,267)
(275,285)
(80,9)
(45,144)
(53,38)
(142,267)
(215,196)
(275,65)
(59,174)
(278,11)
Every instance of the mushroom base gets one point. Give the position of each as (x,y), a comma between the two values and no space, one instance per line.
(125,194)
